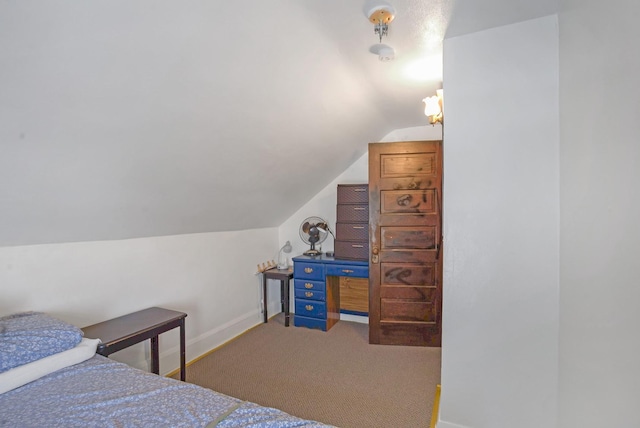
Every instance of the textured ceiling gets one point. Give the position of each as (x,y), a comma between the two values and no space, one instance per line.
(131,118)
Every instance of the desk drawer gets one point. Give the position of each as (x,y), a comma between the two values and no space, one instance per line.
(299,321)
(304,270)
(311,308)
(302,293)
(303,284)
(348,270)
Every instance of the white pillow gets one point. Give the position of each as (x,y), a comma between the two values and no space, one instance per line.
(21,375)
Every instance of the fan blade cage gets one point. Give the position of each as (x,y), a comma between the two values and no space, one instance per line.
(313,231)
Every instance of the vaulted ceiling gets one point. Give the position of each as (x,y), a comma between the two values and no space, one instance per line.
(131,118)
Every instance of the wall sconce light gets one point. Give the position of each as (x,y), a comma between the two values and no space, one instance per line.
(380,16)
(283,263)
(434,108)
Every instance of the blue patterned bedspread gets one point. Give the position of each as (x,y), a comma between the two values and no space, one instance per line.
(103,393)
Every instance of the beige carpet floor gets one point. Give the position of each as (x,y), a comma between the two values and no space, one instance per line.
(335,377)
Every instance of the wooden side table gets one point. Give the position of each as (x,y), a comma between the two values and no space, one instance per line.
(284,276)
(120,333)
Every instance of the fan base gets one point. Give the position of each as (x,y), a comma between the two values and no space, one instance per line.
(312,253)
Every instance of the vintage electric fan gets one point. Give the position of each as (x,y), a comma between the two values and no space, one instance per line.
(314,231)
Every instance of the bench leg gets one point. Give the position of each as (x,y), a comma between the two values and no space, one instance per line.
(183,371)
(155,355)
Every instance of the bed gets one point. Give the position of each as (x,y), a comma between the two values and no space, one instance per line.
(51,376)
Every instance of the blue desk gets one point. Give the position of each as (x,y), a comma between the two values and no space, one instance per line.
(317,290)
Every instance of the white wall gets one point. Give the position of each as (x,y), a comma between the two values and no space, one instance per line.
(210,276)
(600,173)
(501,214)
(323,204)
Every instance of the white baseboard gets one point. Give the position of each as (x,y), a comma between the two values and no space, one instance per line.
(443,424)
(355,318)
(200,345)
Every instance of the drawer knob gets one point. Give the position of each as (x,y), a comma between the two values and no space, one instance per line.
(347,271)
(308,270)
(309,307)
(308,285)
(308,293)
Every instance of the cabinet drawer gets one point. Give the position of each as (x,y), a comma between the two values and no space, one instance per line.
(299,321)
(302,293)
(311,308)
(352,231)
(351,250)
(348,270)
(353,193)
(353,213)
(304,270)
(304,284)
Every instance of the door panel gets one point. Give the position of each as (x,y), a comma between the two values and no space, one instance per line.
(403,164)
(416,237)
(407,201)
(407,274)
(407,334)
(397,310)
(405,266)
(419,294)
(408,256)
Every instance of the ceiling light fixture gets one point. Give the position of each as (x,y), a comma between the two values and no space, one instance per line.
(385,53)
(380,15)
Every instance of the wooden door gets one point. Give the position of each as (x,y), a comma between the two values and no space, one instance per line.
(405,265)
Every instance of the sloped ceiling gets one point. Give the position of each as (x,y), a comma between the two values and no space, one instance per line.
(133,118)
